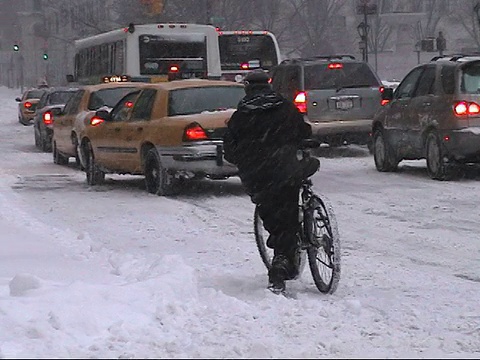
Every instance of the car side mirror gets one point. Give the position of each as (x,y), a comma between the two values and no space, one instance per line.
(56,111)
(387,94)
(18,99)
(103,114)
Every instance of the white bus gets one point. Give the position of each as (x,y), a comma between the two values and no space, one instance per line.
(148,53)
(244,50)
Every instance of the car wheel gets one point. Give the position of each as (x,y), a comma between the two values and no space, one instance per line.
(385,160)
(157,179)
(46,143)
(37,137)
(94,175)
(57,157)
(437,167)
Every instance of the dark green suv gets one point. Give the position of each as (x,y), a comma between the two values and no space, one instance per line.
(434,114)
(338,95)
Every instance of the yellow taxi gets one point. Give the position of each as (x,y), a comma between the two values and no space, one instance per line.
(28,104)
(69,122)
(169,132)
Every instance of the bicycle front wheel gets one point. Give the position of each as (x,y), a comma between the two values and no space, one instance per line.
(324,251)
(261,237)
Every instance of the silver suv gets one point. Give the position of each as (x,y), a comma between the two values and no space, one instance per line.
(434,114)
(339,95)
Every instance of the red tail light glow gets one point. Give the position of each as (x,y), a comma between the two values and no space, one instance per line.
(300,102)
(129,104)
(465,108)
(94,121)
(381,89)
(244,66)
(47,118)
(335,66)
(174,68)
(194,132)
(384,102)
(27,105)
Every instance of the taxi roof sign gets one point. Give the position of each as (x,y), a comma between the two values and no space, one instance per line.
(115,78)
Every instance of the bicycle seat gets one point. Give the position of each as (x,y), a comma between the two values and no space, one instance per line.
(309,144)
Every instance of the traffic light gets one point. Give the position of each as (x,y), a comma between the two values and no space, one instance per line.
(45,56)
(16,47)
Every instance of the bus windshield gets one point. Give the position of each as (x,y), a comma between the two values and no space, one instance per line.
(238,51)
(158,53)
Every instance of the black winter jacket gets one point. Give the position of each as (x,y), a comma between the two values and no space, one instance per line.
(262,139)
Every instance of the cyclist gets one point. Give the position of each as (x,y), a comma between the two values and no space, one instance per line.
(262,139)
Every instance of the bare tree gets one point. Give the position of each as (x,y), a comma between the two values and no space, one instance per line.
(313,26)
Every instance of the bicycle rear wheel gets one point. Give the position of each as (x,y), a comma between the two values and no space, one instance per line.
(324,252)
(261,237)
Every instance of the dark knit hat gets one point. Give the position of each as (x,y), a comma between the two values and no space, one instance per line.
(257,77)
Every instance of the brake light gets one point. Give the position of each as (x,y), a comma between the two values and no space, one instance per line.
(384,102)
(465,108)
(174,68)
(381,89)
(244,66)
(47,118)
(300,101)
(194,132)
(27,105)
(94,121)
(129,104)
(335,66)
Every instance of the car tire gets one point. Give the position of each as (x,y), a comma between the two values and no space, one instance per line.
(437,167)
(157,179)
(46,143)
(37,137)
(95,176)
(58,158)
(383,155)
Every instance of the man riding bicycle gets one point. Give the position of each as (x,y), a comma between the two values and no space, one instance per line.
(262,140)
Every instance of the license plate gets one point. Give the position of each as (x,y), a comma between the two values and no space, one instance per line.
(344,104)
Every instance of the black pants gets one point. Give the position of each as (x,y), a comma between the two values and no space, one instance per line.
(278,209)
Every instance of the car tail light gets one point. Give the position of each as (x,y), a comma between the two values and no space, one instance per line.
(244,66)
(47,118)
(335,66)
(465,108)
(300,101)
(194,132)
(94,121)
(27,105)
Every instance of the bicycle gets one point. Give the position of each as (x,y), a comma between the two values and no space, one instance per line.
(319,238)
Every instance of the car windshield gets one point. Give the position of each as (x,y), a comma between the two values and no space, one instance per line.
(200,99)
(34,94)
(471,79)
(107,97)
(59,97)
(344,75)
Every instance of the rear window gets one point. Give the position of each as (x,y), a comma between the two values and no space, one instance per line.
(107,97)
(34,94)
(470,83)
(60,97)
(200,99)
(346,75)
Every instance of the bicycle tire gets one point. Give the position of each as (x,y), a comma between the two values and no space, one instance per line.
(324,253)
(261,236)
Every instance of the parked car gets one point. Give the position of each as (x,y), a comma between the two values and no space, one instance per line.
(169,132)
(28,104)
(70,121)
(434,114)
(43,120)
(338,95)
